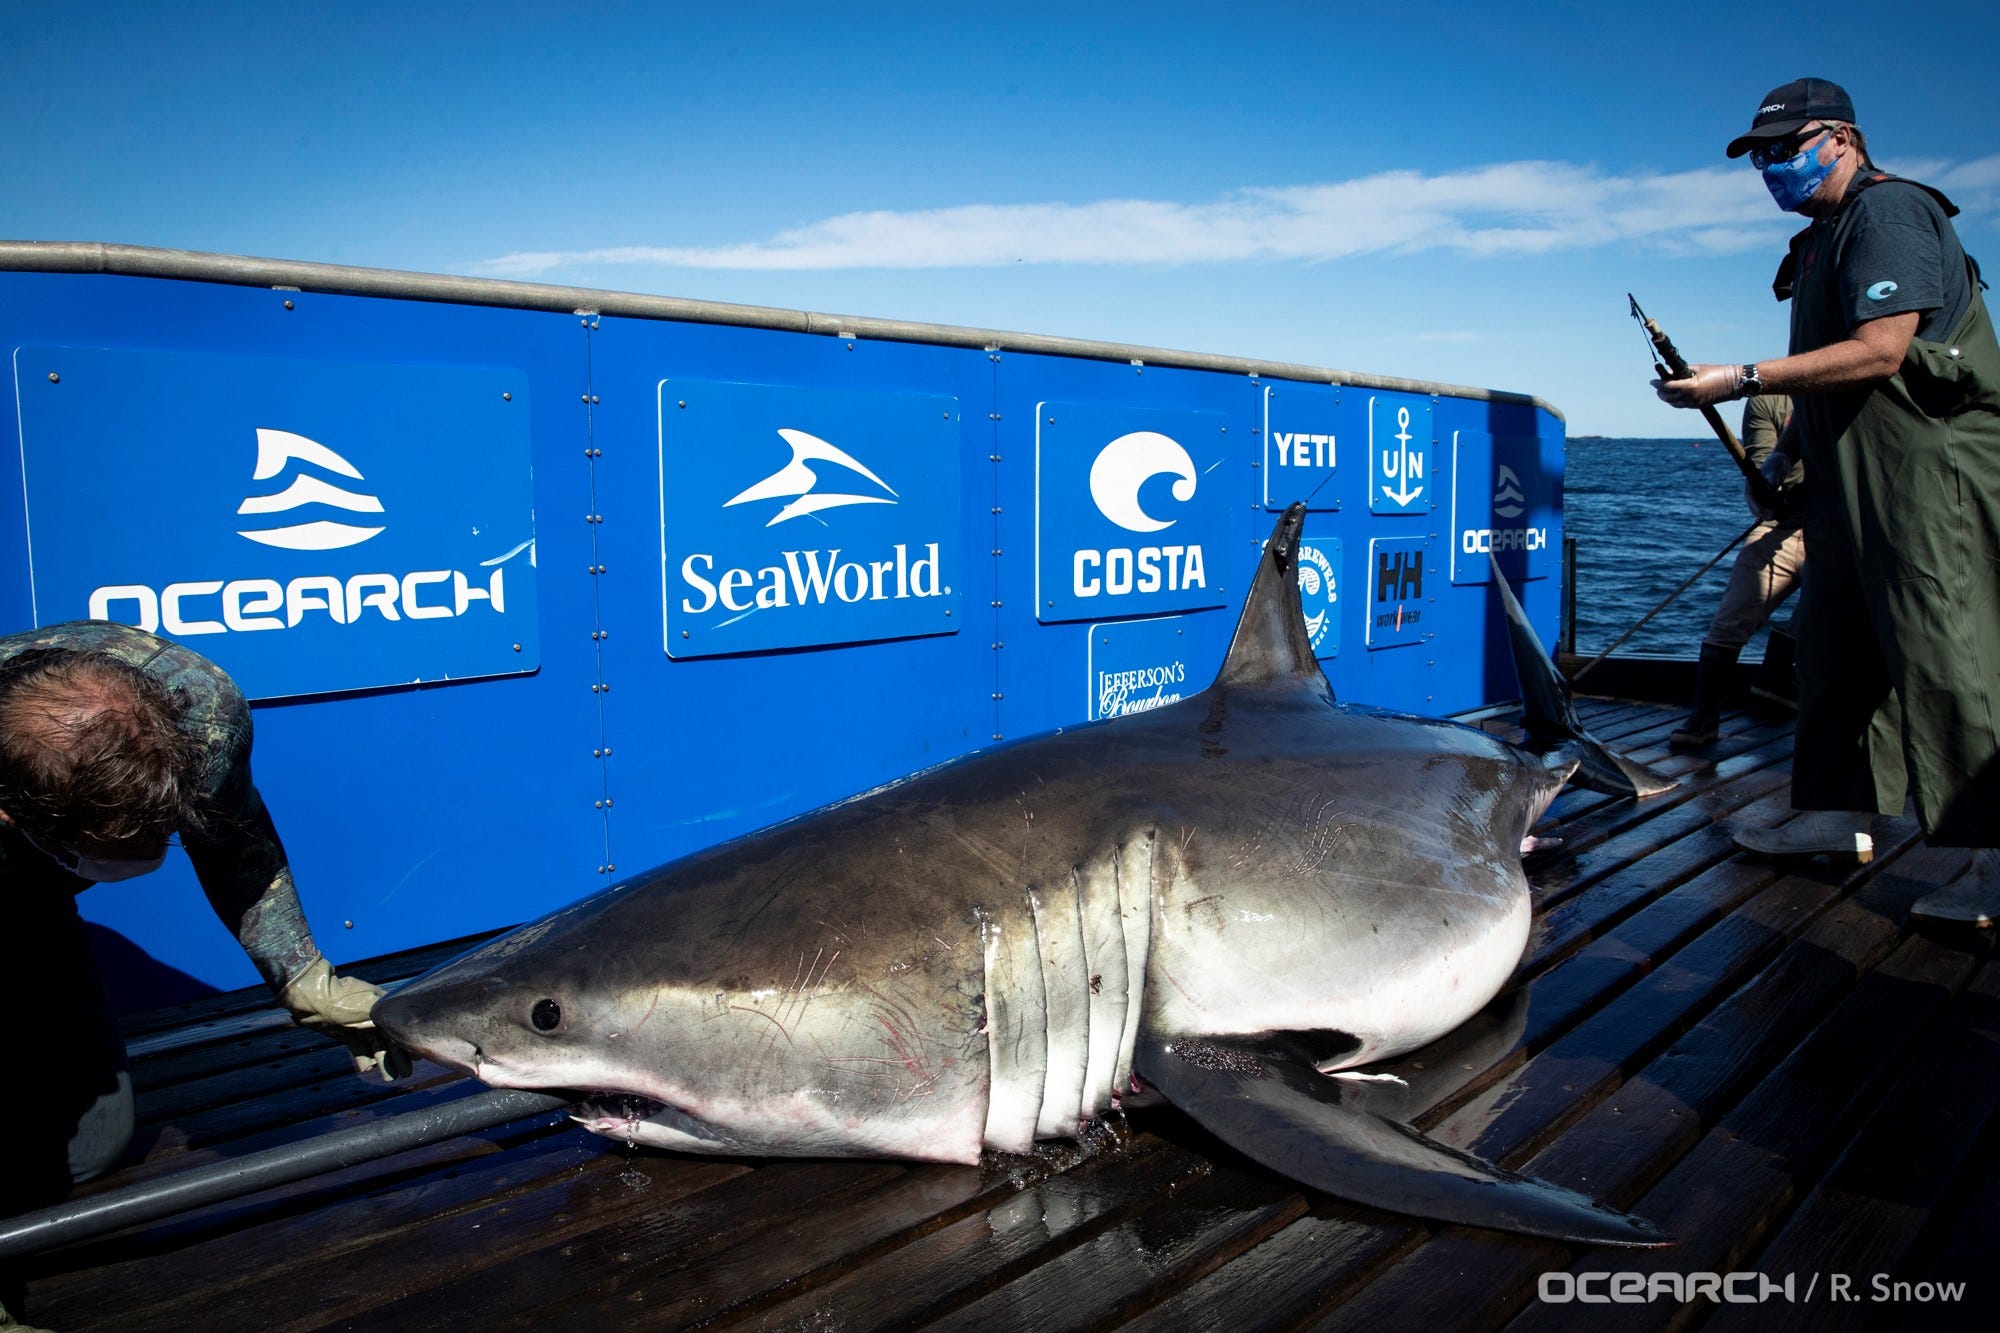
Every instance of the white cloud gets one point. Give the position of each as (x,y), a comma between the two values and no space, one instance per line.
(1512,208)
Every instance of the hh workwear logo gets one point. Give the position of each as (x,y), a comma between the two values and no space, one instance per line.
(798,479)
(877,476)
(1124,522)
(280,559)
(276,448)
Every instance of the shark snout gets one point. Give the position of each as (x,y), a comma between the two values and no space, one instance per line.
(402,1017)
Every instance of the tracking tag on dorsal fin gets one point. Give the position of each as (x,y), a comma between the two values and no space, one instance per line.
(1271,644)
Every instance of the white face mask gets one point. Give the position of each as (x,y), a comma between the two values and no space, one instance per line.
(110,872)
(96,869)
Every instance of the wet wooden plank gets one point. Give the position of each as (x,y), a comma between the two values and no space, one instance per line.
(1733,1188)
(1136,1263)
(612,1243)
(254,1254)
(1864,1219)
(1303,1270)
(958,1263)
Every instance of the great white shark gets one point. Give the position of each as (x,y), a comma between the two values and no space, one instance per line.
(1222,902)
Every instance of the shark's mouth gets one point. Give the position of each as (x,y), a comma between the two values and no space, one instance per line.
(630,1115)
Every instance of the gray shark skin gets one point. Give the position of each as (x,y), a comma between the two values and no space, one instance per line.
(1216,901)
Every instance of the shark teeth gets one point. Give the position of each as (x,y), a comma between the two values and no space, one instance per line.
(623,1107)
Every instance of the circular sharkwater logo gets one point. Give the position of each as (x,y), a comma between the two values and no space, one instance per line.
(1318,592)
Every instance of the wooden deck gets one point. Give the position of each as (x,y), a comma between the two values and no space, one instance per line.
(1769,1065)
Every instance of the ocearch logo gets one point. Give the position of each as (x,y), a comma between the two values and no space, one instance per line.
(276,448)
(798,478)
(246,605)
(1508,502)
(1117,475)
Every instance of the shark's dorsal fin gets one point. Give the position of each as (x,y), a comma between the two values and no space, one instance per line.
(1271,643)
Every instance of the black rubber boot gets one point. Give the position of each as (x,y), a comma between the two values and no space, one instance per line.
(1711,678)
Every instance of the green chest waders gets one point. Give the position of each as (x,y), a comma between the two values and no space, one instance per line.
(1899,619)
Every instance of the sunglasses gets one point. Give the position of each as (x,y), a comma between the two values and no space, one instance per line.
(1787,148)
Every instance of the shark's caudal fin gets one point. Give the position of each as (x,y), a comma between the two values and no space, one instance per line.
(1271,642)
(1551,717)
(1263,1097)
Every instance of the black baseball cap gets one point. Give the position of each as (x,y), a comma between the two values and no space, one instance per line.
(1791,107)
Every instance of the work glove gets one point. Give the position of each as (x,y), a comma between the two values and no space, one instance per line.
(1704,386)
(338,1007)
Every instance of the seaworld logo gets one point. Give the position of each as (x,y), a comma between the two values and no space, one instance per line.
(797,479)
(1117,476)
(815,576)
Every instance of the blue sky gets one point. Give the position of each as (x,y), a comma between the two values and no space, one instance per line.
(1452,192)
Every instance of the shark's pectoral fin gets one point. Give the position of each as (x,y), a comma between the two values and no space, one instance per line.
(1262,1096)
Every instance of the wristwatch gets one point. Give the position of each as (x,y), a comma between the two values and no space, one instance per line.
(1750,383)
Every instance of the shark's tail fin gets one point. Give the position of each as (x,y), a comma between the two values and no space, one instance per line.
(1551,718)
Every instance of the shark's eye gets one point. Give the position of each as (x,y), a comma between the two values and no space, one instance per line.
(546,1015)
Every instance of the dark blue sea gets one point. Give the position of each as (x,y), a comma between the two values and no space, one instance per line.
(1645,515)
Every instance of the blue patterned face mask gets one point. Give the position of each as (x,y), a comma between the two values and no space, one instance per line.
(1798,178)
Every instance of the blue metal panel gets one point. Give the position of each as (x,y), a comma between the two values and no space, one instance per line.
(1304,426)
(1399,454)
(1399,612)
(701,748)
(1129,509)
(420,813)
(1132,666)
(775,536)
(415,813)
(1044,654)
(312,526)
(1501,502)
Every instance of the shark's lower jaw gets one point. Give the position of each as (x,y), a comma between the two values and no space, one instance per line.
(636,1118)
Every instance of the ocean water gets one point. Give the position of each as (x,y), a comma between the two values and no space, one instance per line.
(1645,515)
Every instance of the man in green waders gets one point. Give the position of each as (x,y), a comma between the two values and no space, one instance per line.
(1894,375)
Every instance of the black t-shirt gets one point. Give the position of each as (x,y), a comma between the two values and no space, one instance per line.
(1893,250)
